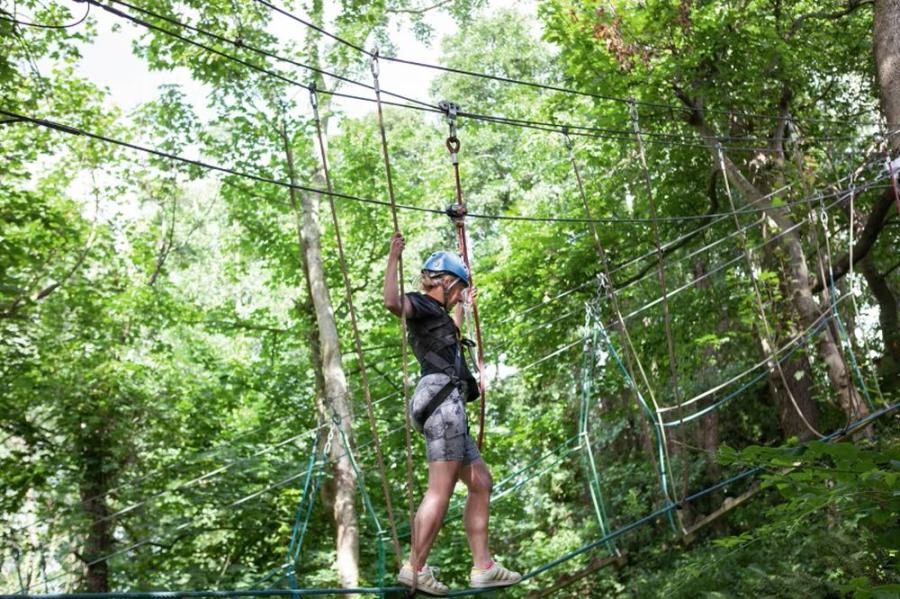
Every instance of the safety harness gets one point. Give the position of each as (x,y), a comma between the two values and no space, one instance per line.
(429,337)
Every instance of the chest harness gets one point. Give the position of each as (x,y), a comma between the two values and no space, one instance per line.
(429,338)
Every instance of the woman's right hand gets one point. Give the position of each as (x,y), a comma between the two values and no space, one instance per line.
(397,245)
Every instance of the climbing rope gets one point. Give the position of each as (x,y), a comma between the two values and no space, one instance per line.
(660,272)
(606,285)
(403,347)
(457,213)
(774,365)
(348,294)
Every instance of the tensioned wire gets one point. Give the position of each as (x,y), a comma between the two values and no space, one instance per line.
(187,525)
(419,105)
(211,474)
(202,478)
(678,290)
(716,219)
(789,349)
(669,107)
(350,197)
(842,432)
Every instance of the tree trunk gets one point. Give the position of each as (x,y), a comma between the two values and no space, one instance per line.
(887,64)
(336,397)
(889,366)
(799,282)
(707,434)
(93,488)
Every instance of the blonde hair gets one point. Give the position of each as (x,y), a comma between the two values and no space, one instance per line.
(427,281)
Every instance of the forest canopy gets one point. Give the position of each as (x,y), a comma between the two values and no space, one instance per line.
(682,224)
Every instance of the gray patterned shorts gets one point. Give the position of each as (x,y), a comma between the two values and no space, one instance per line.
(446,431)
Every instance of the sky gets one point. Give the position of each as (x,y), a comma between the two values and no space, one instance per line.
(109,61)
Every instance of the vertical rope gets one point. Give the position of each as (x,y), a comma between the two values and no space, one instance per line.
(587,371)
(403,348)
(773,364)
(458,214)
(614,301)
(348,292)
(850,230)
(831,294)
(660,273)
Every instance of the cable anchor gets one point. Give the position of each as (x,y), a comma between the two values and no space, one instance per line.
(451,110)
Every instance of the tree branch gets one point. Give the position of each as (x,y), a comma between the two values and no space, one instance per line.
(851,7)
(418,11)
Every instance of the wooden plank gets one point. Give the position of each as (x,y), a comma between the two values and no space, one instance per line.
(565,580)
(729,504)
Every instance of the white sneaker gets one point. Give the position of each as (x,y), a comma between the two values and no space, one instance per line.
(495,576)
(425,581)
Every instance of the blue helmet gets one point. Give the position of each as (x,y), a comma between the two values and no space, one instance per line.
(447,262)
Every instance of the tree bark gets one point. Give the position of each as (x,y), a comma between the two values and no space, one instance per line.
(887,64)
(799,282)
(889,366)
(336,404)
(93,489)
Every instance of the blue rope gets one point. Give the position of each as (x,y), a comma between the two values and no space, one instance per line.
(465,592)
(798,344)
(657,429)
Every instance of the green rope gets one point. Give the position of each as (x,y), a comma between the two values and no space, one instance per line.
(590,465)
(658,434)
(370,509)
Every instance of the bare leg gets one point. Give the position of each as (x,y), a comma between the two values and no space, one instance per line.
(442,478)
(478,479)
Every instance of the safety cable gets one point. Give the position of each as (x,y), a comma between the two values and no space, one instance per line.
(718,218)
(457,214)
(607,286)
(419,105)
(195,480)
(532,84)
(648,518)
(661,277)
(760,307)
(407,415)
(357,342)
(264,179)
(17,22)
(787,348)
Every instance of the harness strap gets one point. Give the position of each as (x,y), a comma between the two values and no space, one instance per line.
(435,402)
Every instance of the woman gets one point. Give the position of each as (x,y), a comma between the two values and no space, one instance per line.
(438,412)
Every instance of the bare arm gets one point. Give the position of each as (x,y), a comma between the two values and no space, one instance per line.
(392,299)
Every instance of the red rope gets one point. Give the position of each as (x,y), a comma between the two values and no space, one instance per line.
(453,146)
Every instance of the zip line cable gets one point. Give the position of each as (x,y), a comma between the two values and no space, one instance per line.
(17,22)
(533,84)
(419,105)
(264,179)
